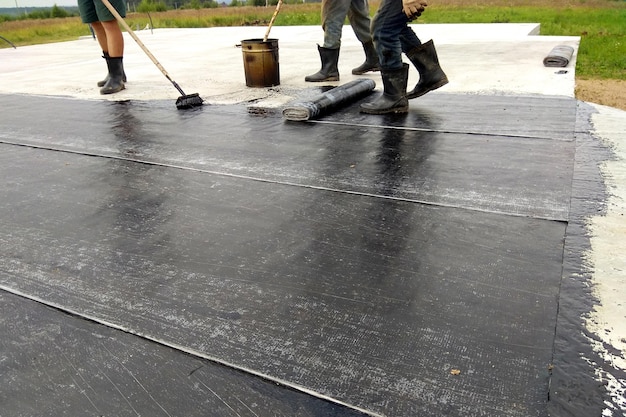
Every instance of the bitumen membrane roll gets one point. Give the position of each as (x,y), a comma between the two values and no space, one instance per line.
(330,100)
(559,56)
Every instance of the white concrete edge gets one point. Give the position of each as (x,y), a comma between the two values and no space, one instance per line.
(607,258)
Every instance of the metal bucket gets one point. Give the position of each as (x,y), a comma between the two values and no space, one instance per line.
(260,62)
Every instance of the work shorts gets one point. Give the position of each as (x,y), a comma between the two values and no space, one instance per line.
(95,11)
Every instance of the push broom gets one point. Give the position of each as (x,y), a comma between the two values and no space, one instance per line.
(185,101)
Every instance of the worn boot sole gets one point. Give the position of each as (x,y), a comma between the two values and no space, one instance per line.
(403,109)
(105,91)
(103,82)
(435,86)
(364,70)
(321,80)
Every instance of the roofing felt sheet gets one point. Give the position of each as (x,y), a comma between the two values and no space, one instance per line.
(243,240)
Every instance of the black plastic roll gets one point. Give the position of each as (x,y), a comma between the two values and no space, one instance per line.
(330,100)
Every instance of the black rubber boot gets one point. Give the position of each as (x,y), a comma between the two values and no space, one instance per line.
(329,71)
(371,60)
(393,99)
(105,55)
(425,59)
(115,81)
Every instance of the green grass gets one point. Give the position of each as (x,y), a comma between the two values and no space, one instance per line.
(601,25)
(602,51)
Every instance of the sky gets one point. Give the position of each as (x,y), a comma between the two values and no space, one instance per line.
(37,3)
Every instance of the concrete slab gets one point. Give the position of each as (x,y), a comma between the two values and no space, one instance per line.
(207,61)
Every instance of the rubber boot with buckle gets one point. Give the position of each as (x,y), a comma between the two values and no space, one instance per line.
(105,55)
(371,60)
(393,99)
(115,81)
(329,71)
(425,59)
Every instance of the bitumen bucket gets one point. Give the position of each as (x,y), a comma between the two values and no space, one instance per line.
(260,62)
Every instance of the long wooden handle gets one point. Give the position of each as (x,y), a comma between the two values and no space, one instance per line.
(122,22)
(267,33)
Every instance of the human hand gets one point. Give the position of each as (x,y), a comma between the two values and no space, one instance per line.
(413,8)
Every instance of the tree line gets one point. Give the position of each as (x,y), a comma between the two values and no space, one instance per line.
(143,6)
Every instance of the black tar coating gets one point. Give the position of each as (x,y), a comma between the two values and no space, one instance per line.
(405,266)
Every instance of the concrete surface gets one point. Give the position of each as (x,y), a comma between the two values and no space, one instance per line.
(486,60)
(207,61)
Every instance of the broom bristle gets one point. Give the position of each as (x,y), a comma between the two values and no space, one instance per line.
(189,101)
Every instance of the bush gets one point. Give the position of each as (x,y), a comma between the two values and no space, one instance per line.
(147,6)
(38,14)
(57,11)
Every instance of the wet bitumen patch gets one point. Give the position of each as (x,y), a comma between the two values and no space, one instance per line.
(403,265)
(482,167)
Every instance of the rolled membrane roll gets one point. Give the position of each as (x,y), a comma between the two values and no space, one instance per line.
(330,100)
(559,56)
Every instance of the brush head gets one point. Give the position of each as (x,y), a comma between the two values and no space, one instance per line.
(189,101)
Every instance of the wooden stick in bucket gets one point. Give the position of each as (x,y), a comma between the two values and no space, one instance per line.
(267,33)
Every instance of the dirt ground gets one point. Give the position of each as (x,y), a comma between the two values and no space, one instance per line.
(610,93)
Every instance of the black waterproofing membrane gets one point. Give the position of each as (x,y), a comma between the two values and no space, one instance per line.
(160,262)
(331,100)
